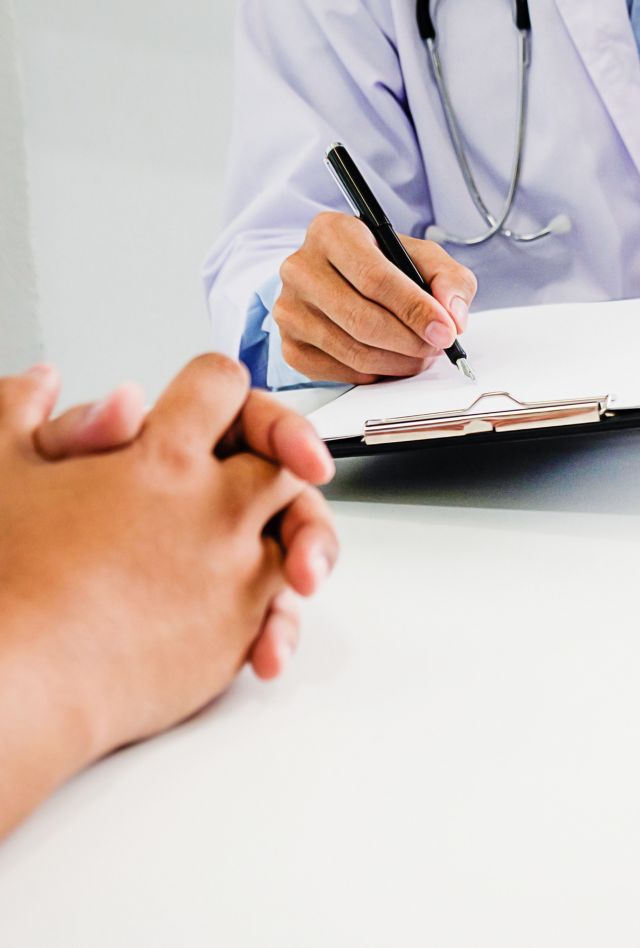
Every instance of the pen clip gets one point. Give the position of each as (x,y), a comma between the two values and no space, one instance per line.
(336,177)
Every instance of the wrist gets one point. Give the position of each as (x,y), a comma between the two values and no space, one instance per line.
(48,730)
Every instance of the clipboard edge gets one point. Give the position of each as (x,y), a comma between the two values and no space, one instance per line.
(611,423)
(467,422)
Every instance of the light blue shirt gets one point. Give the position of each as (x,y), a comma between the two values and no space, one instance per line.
(260,346)
(308,74)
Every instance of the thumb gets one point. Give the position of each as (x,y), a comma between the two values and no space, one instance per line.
(455,287)
(451,283)
(100,426)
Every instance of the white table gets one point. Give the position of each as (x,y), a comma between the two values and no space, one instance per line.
(452,760)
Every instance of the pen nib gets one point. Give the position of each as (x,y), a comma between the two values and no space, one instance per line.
(466,369)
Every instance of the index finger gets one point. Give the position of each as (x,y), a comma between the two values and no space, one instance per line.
(272,430)
(200,404)
(358,258)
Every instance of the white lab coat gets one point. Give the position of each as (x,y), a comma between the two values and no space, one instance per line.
(309,72)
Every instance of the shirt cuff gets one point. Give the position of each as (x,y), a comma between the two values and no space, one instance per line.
(261,346)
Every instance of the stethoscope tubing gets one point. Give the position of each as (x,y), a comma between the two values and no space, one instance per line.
(496,224)
(427,28)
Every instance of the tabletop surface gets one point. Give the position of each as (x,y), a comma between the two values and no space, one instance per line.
(451,760)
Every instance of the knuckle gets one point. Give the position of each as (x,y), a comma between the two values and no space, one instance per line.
(432,256)
(293,354)
(386,333)
(324,223)
(356,323)
(289,316)
(462,278)
(377,331)
(415,312)
(289,268)
(373,279)
(281,314)
(175,455)
(470,280)
(357,357)
(221,365)
(231,369)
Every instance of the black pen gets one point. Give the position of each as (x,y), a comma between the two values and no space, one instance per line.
(363,203)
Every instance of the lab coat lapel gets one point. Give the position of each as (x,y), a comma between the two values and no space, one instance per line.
(605,43)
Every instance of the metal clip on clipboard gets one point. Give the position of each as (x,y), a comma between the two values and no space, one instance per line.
(469,421)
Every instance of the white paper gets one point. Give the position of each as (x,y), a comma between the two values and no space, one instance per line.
(536,353)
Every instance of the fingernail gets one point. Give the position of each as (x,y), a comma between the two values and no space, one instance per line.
(320,566)
(285,653)
(321,452)
(94,411)
(41,371)
(460,312)
(439,335)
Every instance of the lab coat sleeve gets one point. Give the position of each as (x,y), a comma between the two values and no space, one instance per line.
(307,73)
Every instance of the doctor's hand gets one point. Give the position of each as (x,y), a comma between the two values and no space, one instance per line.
(265,427)
(346,314)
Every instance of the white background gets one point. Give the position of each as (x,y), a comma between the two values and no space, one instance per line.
(19,335)
(452,759)
(127,111)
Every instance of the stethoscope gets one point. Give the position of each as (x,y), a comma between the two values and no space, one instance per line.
(561,224)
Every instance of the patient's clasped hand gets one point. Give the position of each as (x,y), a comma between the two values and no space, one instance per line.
(143,560)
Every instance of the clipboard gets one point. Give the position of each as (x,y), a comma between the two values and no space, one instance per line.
(481,423)
(529,387)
